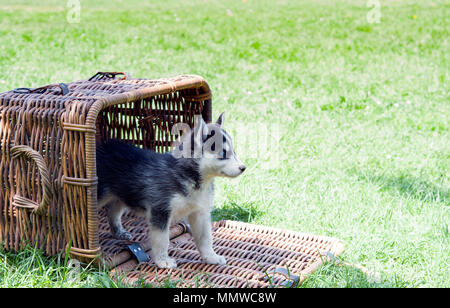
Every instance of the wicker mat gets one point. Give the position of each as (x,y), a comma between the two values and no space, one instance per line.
(257,256)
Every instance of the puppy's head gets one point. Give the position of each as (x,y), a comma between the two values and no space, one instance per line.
(212,146)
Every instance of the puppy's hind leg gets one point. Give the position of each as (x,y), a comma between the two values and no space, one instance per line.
(160,247)
(115,210)
(159,235)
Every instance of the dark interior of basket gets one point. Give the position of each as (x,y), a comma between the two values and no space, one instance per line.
(256,256)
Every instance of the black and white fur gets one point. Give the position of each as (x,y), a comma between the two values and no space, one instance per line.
(168,187)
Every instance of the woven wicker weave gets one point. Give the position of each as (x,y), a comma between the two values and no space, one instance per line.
(48,177)
(256,256)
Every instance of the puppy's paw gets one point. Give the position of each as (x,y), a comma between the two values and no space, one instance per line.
(124,235)
(166,263)
(214,259)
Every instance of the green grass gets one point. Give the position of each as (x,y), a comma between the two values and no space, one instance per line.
(361,114)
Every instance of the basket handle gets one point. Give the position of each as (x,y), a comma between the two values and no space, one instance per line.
(64,89)
(22,202)
(110,75)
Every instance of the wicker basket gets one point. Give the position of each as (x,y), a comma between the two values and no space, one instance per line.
(48,194)
(49,186)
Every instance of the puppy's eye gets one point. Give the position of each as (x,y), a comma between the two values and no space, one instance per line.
(223,155)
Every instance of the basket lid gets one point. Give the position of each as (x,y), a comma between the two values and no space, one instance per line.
(257,256)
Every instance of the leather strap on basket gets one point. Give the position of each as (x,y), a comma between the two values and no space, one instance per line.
(288,275)
(139,253)
(64,89)
(108,75)
(47,188)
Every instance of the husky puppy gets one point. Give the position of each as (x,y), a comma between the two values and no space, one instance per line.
(165,188)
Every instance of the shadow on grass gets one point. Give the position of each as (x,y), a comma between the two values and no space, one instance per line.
(245,212)
(409,187)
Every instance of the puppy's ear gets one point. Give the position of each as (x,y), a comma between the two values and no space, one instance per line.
(221,120)
(200,130)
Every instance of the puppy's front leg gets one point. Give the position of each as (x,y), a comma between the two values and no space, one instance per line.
(200,223)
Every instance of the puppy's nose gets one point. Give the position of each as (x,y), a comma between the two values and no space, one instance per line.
(242,168)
